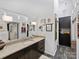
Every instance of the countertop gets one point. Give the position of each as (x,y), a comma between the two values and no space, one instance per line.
(13,47)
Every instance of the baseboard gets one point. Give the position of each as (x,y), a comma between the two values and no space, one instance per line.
(48,55)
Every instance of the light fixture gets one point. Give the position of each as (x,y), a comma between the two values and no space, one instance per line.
(7,18)
(33,23)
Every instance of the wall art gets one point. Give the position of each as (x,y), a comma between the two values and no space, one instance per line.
(49,27)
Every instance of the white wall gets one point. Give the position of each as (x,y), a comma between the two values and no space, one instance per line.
(64,8)
(50,43)
(73,16)
(3,32)
(77,12)
(34,9)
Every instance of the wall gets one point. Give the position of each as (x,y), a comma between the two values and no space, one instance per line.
(77,48)
(34,9)
(77,13)
(50,38)
(50,43)
(3,32)
(63,8)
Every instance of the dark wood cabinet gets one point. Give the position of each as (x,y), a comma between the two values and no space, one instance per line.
(41,46)
(31,52)
(20,54)
(13,56)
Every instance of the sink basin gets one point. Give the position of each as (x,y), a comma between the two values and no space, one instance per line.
(2,44)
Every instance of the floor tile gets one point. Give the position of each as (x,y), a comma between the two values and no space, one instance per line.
(63,52)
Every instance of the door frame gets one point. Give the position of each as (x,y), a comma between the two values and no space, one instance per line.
(17,29)
(70,29)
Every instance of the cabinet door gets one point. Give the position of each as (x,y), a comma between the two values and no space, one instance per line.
(41,46)
(34,54)
(27,55)
(21,54)
(13,56)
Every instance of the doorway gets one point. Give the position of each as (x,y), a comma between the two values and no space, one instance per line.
(27,30)
(65,31)
(13,30)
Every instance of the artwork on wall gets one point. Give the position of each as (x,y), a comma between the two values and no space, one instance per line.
(49,27)
(23,28)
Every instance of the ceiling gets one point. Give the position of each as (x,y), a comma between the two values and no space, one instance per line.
(30,8)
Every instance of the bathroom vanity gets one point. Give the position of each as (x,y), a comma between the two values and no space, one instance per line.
(32,48)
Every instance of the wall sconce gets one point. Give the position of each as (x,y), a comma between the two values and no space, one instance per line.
(7,18)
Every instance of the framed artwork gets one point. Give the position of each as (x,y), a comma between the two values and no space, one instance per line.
(23,28)
(49,27)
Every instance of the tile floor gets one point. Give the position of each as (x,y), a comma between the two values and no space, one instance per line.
(62,53)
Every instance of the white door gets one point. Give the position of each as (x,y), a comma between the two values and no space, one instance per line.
(13,31)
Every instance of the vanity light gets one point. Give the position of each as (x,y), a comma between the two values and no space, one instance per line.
(7,18)
(33,23)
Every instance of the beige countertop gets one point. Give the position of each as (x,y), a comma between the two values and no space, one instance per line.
(13,47)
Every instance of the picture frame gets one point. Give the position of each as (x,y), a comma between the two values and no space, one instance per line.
(23,28)
(49,27)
